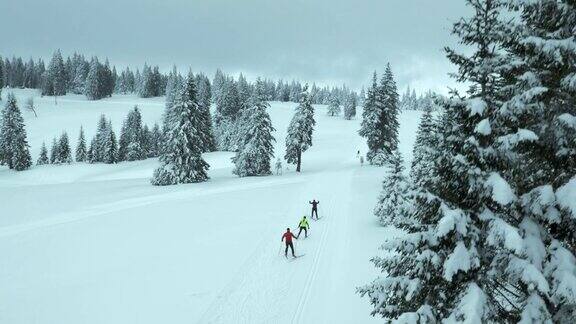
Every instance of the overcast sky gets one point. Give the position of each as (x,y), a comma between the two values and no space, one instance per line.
(323,41)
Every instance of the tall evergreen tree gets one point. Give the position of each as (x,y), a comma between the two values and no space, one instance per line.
(380,118)
(334,106)
(300,130)
(13,143)
(110,148)
(423,152)
(54,152)
(64,151)
(536,131)
(350,106)
(92,84)
(204,98)
(81,153)
(466,260)
(55,84)
(393,199)
(43,158)
(181,159)
(256,145)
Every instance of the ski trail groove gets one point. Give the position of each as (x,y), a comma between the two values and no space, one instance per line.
(313,273)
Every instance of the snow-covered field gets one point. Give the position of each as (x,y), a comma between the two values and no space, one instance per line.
(85,243)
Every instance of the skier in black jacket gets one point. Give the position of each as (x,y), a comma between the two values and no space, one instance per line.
(314,204)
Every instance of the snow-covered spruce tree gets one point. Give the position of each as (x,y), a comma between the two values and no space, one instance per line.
(110,146)
(64,152)
(81,154)
(132,140)
(393,199)
(181,159)
(92,84)
(350,106)
(227,116)
(536,129)
(155,141)
(173,85)
(300,130)
(380,118)
(55,81)
(422,153)
(370,125)
(466,261)
(98,143)
(334,106)
(389,112)
(256,149)
(54,151)
(204,99)
(13,143)
(43,158)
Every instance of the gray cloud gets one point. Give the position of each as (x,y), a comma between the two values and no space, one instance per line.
(325,41)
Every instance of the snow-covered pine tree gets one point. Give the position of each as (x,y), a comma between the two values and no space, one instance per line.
(181,159)
(81,154)
(370,125)
(155,141)
(64,151)
(172,86)
(227,116)
(13,143)
(98,143)
(54,152)
(334,106)
(132,146)
(43,158)
(204,99)
(300,130)
(350,106)
(110,146)
(536,129)
(423,154)
(92,84)
(389,112)
(256,148)
(244,92)
(55,84)
(393,200)
(467,260)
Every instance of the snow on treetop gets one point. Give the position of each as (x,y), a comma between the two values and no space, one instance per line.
(476,106)
(566,196)
(483,127)
(502,193)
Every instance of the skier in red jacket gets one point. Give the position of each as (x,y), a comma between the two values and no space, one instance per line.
(288,237)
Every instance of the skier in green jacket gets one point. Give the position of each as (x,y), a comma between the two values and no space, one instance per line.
(303,225)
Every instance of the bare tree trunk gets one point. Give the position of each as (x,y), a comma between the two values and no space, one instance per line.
(299,161)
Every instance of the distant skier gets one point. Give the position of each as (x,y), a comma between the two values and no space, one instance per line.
(303,225)
(361,161)
(358,154)
(314,204)
(288,236)
(278,166)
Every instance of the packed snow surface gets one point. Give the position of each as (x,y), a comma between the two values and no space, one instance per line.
(96,243)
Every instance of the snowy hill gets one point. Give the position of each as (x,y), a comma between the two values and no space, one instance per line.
(96,243)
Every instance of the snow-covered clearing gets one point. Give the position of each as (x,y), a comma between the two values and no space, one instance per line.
(85,243)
